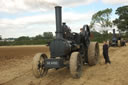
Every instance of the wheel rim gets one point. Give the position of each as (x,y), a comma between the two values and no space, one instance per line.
(41,69)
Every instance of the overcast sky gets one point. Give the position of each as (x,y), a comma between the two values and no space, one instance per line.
(33,17)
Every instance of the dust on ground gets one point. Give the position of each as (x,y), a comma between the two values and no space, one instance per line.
(16,68)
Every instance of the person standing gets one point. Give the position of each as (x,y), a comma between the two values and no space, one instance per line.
(105,53)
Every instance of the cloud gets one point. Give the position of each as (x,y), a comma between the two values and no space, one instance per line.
(48,18)
(14,6)
(33,25)
(39,23)
(124,2)
(72,3)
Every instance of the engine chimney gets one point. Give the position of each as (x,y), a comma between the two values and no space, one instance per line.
(59,31)
(114,34)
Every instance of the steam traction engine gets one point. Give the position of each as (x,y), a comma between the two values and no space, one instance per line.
(116,41)
(71,51)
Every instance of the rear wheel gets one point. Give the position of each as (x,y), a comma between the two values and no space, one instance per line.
(38,65)
(93,53)
(75,65)
(119,43)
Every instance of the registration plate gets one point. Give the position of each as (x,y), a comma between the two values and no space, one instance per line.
(54,63)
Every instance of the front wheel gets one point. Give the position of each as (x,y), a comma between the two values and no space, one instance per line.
(93,53)
(38,65)
(75,65)
(119,43)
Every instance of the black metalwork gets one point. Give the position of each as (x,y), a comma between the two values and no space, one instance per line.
(59,31)
(67,42)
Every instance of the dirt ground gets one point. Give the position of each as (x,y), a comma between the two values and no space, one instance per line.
(16,68)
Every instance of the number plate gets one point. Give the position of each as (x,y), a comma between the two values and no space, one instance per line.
(53,63)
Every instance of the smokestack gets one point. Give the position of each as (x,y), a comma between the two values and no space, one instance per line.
(59,31)
(114,34)
(119,34)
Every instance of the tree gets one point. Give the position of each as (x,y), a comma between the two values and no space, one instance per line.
(48,35)
(122,20)
(38,37)
(102,17)
(23,38)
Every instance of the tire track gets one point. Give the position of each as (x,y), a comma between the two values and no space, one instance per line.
(17,77)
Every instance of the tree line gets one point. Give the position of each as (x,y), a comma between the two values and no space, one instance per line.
(102,18)
(25,40)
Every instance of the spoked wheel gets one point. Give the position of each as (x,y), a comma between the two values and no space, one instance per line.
(38,65)
(75,65)
(93,53)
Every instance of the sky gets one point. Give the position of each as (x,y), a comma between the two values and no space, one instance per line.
(33,17)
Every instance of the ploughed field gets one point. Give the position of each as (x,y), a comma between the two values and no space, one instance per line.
(16,68)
